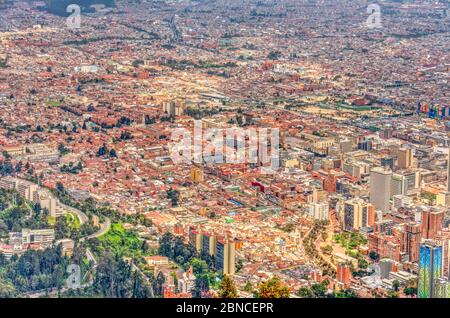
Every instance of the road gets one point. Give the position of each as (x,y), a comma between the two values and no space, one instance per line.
(81,216)
(104,228)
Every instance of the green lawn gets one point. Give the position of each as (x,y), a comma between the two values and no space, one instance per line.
(120,241)
(53,103)
(72,220)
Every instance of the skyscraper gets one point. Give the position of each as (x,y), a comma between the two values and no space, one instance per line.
(404,158)
(413,237)
(344,274)
(197,175)
(358,214)
(380,188)
(432,222)
(430,268)
(195,238)
(225,257)
(442,288)
(209,243)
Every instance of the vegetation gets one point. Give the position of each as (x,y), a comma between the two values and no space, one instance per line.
(187,256)
(115,279)
(35,270)
(310,247)
(272,288)
(16,213)
(53,103)
(319,290)
(118,241)
(227,288)
(350,241)
(72,168)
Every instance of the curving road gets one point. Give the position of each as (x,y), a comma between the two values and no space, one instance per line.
(104,227)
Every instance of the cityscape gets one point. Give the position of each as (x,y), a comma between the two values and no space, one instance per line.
(224,149)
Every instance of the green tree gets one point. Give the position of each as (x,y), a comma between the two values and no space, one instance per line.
(272,288)
(62,230)
(7,290)
(248,287)
(410,291)
(396,285)
(305,292)
(227,288)
(374,256)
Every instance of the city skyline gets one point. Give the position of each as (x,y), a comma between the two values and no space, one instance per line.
(224,149)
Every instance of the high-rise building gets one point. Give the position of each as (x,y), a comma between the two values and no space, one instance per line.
(225,256)
(380,188)
(432,222)
(387,162)
(443,198)
(195,238)
(358,214)
(365,145)
(173,108)
(197,175)
(413,238)
(404,158)
(402,183)
(344,274)
(386,266)
(209,242)
(386,133)
(318,211)
(442,288)
(430,268)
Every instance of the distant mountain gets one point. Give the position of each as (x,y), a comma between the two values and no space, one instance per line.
(59,7)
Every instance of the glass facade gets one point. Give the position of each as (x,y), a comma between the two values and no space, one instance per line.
(430,269)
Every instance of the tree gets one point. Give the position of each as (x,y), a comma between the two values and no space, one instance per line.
(272,288)
(319,289)
(60,187)
(305,292)
(396,285)
(201,284)
(410,291)
(102,151)
(19,167)
(374,256)
(62,230)
(158,284)
(227,288)
(114,277)
(248,287)
(7,290)
(347,293)
(362,263)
